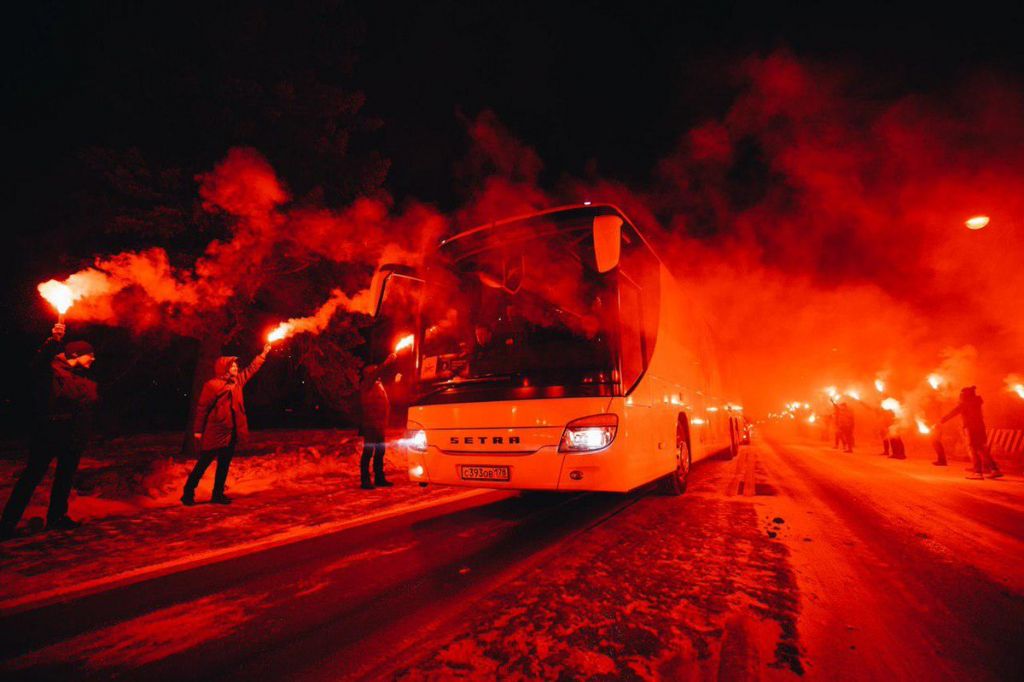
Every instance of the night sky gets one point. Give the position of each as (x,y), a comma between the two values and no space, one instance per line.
(581,82)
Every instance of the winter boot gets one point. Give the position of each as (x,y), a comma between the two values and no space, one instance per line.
(974,476)
(220,499)
(188,498)
(63,523)
(366,484)
(381,482)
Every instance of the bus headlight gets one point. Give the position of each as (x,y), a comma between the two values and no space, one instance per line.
(416,440)
(588,434)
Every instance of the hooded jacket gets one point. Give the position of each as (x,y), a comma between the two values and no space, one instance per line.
(969,409)
(220,415)
(376,407)
(66,397)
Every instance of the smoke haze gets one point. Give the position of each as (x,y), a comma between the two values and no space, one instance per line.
(821,224)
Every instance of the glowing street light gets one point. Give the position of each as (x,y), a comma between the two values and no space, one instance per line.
(977,222)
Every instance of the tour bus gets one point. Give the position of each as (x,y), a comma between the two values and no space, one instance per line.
(554,351)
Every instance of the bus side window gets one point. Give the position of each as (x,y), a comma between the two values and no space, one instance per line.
(643,268)
(630,325)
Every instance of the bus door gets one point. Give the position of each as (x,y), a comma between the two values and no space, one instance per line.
(396,295)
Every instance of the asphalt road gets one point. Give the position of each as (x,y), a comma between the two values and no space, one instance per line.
(829,567)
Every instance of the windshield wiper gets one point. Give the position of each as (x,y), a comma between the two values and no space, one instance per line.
(487,379)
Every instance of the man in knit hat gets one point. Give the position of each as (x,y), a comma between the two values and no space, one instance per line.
(65,399)
(221,425)
(969,409)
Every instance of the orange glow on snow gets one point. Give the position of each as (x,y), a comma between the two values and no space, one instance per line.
(404,342)
(977,222)
(57,294)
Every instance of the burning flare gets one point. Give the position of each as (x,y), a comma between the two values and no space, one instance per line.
(879,385)
(935,380)
(893,406)
(404,342)
(1015,384)
(922,428)
(57,294)
(854,394)
(977,222)
(280,331)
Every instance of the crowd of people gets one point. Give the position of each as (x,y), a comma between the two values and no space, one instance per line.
(968,408)
(65,399)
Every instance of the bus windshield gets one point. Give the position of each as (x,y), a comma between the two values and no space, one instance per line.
(518,311)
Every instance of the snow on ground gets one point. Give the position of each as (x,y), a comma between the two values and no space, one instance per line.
(658,591)
(128,495)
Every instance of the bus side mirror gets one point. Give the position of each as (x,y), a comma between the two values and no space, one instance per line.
(380,278)
(607,241)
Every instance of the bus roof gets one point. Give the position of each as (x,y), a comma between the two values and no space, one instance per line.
(581,209)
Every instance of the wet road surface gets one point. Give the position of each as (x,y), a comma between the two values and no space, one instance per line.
(829,567)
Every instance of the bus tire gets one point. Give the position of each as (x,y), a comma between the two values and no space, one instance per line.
(675,483)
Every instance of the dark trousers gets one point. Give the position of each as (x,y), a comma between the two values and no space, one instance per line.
(223,457)
(373,448)
(897,448)
(50,442)
(981,456)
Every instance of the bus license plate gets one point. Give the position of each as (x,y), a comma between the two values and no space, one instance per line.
(484,473)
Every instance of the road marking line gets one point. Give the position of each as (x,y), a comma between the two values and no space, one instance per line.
(750,479)
(30,602)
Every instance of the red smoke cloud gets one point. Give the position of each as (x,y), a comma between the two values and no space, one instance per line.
(822,227)
(142,289)
(852,257)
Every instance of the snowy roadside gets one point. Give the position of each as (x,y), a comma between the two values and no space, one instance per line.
(289,484)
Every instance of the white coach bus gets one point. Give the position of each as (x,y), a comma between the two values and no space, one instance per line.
(554,351)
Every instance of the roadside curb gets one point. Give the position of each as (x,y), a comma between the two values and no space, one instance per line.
(31,602)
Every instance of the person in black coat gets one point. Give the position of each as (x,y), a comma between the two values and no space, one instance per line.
(376,409)
(65,399)
(969,409)
(221,424)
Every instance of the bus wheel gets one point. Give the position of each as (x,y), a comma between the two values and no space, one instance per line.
(675,482)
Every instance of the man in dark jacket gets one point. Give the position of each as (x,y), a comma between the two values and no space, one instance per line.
(969,409)
(221,425)
(844,423)
(65,401)
(376,408)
